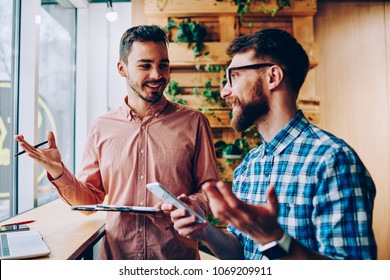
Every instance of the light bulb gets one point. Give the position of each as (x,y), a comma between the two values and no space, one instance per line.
(111,15)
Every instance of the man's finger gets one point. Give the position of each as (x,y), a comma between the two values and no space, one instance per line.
(212,192)
(166,206)
(51,140)
(228,195)
(185,199)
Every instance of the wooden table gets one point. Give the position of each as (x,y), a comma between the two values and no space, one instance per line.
(69,234)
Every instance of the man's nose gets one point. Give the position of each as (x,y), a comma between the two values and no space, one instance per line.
(226,91)
(155,73)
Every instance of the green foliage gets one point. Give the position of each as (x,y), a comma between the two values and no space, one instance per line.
(190,32)
(214,221)
(196,91)
(213,68)
(174,90)
(243,6)
(211,96)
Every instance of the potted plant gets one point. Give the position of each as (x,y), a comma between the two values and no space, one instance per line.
(191,32)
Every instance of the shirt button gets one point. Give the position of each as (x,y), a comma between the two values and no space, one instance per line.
(156,114)
(140,255)
(143,127)
(140,229)
(142,151)
(141,177)
(266,173)
(141,203)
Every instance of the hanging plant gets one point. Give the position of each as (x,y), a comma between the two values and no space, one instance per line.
(191,32)
(243,6)
(211,96)
(174,90)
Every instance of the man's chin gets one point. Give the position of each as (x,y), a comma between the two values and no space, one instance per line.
(239,124)
(152,99)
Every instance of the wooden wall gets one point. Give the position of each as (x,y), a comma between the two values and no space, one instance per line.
(222,24)
(353,83)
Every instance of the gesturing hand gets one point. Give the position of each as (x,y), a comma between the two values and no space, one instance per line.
(185,225)
(259,221)
(49,158)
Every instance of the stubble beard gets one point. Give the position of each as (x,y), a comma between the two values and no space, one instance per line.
(156,95)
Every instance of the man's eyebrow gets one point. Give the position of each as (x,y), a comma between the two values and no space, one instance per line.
(165,60)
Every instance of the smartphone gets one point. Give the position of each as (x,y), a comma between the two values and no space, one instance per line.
(14,228)
(158,190)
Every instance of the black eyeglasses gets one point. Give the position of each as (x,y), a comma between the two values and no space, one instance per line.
(245,67)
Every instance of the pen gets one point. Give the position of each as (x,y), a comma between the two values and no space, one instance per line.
(36,146)
(18,223)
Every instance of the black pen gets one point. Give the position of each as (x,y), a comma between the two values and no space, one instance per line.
(36,146)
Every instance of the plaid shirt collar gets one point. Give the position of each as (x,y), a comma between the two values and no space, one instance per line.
(286,136)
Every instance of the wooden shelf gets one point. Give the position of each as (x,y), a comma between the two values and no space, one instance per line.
(212,7)
(181,55)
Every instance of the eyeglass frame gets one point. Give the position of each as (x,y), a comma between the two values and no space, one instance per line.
(245,67)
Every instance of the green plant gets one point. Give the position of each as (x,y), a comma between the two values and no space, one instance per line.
(243,6)
(214,221)
(190,32)
(174,90)
(211,96)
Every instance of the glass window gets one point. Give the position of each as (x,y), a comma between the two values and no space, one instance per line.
(55,93)
(56,87)
(6,105)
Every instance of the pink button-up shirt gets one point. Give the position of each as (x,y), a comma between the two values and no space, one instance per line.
(172,145)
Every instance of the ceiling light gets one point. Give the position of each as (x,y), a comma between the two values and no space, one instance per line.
(111,15)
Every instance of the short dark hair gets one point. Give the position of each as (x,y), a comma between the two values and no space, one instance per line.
(278,46)
(140,33)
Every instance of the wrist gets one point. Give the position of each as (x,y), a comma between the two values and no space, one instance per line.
(57,172)
(277,249)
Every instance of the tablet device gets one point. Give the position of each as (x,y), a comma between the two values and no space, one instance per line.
(158,190)
(102,207)
(22,245)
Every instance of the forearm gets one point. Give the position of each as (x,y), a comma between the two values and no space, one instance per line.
(74,191)
(223,244)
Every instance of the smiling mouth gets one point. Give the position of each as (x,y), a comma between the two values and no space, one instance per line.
(232,102)
(155,84)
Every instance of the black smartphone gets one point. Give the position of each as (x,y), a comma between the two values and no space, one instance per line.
(14,228)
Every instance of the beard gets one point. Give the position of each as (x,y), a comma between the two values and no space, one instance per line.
(251,111)
(156,95)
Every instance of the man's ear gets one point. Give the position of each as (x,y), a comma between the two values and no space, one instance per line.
(121,68)
(274,76)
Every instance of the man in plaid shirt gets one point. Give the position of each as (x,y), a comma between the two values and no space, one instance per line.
(303,193)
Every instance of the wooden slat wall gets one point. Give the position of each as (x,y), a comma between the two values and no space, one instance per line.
(222,24)
(353,82)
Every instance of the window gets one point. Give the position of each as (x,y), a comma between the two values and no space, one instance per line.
(56,87)
(37,93)
(6,107)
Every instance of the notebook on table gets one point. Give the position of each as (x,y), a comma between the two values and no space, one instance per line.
(22,245)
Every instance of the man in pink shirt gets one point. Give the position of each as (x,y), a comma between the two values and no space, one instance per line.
(147,139)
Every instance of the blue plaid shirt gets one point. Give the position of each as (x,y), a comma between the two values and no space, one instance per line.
(325,193)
